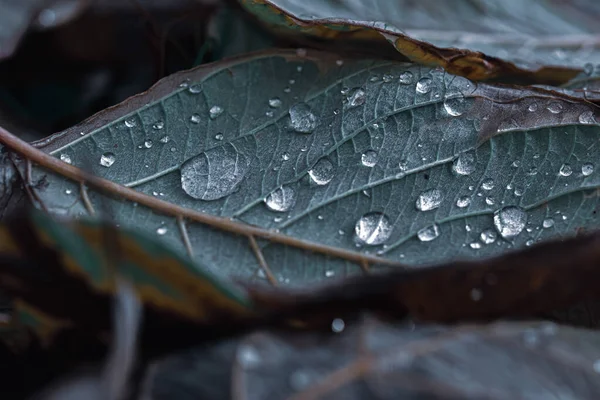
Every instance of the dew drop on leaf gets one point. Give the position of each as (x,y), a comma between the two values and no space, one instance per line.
(148,143)
(510,221)
(357,97)
(281,199)
(219,136)
(490,201)
(161,230)
(107,159)
(215,111)
(373,229)
(158,125)
(285,156)
(533,107)
(475,245)
(195,89)
(275,102)
(429,200)
(387,78)
(302,118)
(214,174)
(587,117)
(555,107)
(338,325)
(548,223)
(487,184)
(164,139)
(464,164)
(130,123)
(565,170)
(587,169)
(428,233)
(488,236)
(455,105)
(424,85)
(369,158)
(322,172)
(463,201)
(406,78)
(65,158)
(195,118)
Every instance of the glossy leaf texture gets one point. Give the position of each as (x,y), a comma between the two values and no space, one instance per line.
(476,39)
(380,158)
(381,360)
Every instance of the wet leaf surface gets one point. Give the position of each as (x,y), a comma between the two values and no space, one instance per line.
(478,40)
(373,157)
(379,360)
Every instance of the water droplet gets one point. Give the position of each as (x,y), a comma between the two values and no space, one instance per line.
(464,164)
(148,143)
(487,184)
(516,164)
(406,78)
(285,156)
(281,199)
(329,273)
(428,233)
(287,89)
(219,136)
(322,172)
(475,245)
(463,201)
(429,200)
(369,158)
(488,236)
(529,243)
(387,78)
(490,201)
(532,171)
(164,139)
(519,192)
(339,63)
(373,229)
(424,85)
(68,191)
(275,102)
(158,125)
(455,105)
(374,78)
(195,89)
(161,230)
(554,107)
(548,223)
(565,170)
(215,111)
(107,159)
(468,228)
(338,325)
(510,221)
(65,158)
(587,117)
(356,97)
(214,173)
(533,107)
(587,169)
(195,118)
(248,356)
(130,123)
(173,149)
(403,165)
(302,118)
(476,294)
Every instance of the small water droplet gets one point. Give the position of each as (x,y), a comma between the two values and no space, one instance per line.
(424,85)
(158,125)
(555,107)
(516,164)
(475,245)
(488,236)
(164,139)
(148,143)
(487,184)
(548,223)
(356,97)
(387,78)
(373,229)
(287,89)
(464,164)
(215,173)
(299,68)
(587,169)
(476,294)
(428,233)
(302,118)
(338,325)
(285,156)
(130,123)
(248,356)
(374,78)
(406,78)
(510,221)
(68,191)
(455,105)
(463,201)
(565,170)
(65,158)
(107,159)
(195,89)
(215,111)
(219,136)
(195,118)
(173,149)
(339,63)
(519,192)
(322,172)
(587,117)
(275,102)
(533,107)
(281,199)
(490,201)
(468,228)
(369,158)
(429,200)
(329,273)
(403,165)
(161,230)
(529,243)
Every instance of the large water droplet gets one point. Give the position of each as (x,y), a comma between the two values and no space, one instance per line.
(488,236)
(548,223)
(357,97)
(424,85)
(463,201)
(587,117)
(455,105)
(587,169)
(215,111)
(338,325)
(565,170)
(406,78)
(281,199)
(65,158)
(429,200)
(214,173)
(322,172)
(302,118)
(275,102)
(373,229)
(510,221)
(464,164)
(107,159)
(369,158)
(428,233)
(487,184)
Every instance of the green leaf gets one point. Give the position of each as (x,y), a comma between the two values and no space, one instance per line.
(364,157)
(532,35)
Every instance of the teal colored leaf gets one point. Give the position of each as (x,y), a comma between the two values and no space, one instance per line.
(376,158)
